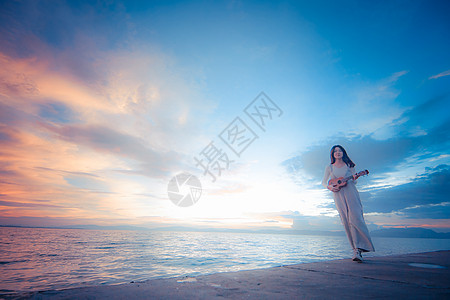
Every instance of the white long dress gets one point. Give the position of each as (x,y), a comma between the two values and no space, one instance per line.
(350,209)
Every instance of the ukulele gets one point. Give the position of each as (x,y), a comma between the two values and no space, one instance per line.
(341,181)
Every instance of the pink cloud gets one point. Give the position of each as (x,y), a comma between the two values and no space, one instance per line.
(443,74)
(55,125)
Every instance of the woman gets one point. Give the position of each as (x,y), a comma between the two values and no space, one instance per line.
(347,202)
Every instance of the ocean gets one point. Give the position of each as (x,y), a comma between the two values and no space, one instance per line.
(36,259)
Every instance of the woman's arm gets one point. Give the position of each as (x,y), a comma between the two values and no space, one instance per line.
(352,170)
(325,180)
(326,176)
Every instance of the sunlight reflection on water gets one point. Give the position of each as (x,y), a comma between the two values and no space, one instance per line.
(40,259)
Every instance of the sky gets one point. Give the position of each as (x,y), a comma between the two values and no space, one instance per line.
(102,103)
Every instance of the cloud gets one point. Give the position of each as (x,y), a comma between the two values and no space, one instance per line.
(385,155)
(89,129)
(442,74)
(107,140)
(408,164)
(316,223)
(421,202)
(29,205)
(383,189)
(428,211)
(417,120)
(30,28)
(425,193)
(372,104)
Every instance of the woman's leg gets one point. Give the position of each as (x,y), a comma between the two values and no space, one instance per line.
(358,228)
(342,208)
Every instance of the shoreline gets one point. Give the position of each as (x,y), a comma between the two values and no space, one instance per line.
(418,275)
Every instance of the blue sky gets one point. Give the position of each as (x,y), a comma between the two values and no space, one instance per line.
(103,103)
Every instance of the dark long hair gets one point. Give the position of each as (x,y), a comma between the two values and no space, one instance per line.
(345,157)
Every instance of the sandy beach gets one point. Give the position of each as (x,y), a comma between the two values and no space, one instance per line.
(417,276)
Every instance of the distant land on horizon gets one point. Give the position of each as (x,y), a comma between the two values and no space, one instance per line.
(385,232)
(410,233)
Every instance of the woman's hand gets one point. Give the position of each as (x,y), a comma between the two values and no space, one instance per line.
(333,188)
